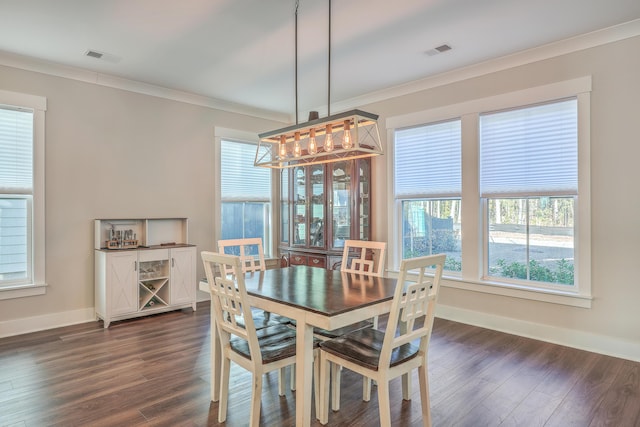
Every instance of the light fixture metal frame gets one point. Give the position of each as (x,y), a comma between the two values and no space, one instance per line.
(364,133)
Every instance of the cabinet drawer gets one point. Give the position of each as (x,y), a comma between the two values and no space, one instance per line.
(297,259)
(153,255)
(317,261)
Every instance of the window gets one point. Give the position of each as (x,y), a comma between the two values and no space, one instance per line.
(245,194)
(21,194)
(428,190)
(511,174)
(529,186)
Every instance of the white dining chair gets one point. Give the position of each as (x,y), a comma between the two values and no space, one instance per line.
(364,257)
(402,347)
(258,351)
(361,257)
(251,253)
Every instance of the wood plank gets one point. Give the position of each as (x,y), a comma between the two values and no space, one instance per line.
(154,371)
(621,404)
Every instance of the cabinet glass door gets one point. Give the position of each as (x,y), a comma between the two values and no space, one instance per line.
(341,207)
(284,206)
(316,206)
(364,207)
(299,206)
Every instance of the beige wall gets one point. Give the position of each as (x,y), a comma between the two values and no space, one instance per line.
(614,320)
(114,154)
(111,153)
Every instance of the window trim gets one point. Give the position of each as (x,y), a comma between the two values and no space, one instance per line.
(473,252)
(221,133)
(38,284)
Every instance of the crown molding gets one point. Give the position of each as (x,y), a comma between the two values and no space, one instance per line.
(92,77)
(551,50)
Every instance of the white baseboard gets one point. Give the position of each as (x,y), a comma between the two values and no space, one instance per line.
(610,346)
(49,321)
(570,337)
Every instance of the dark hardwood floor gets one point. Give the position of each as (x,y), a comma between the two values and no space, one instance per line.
(155,371)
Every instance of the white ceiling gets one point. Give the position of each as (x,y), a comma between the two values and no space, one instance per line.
(240,53)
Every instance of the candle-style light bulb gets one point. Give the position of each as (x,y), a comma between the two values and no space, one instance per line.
(313,145)
(296,145)
(347,142)
(283,147)
(328,141)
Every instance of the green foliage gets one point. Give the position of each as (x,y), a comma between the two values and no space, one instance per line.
(452,264)
(443,241)
(563,274)
(539,211)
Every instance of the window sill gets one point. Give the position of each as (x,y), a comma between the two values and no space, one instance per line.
(20,291)
(516,291)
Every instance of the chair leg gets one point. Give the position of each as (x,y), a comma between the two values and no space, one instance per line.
(384,404)
(325,373)
(366,389)
(316,382)
(293,377)
(423,377)
(256,396)
(224,390)
(281,381)
(366,382)
(336,371)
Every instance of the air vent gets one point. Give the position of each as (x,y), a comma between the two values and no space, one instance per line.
(94,54)
(439,49)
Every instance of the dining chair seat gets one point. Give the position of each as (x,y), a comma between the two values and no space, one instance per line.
(276,343)
(364,346)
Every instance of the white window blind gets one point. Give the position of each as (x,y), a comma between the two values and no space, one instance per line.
(530,151)
(428,160)
(16,151)
(240,179)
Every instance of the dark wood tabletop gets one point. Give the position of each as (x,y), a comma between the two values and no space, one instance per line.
(326,292)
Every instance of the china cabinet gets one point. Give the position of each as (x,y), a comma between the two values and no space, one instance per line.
(321,207)
(143,266)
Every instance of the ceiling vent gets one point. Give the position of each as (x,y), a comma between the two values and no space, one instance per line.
(440,49)
(94,54)
(107,57)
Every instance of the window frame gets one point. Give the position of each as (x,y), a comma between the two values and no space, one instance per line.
(234,135)
(36,257)
(473,212)
(442,192)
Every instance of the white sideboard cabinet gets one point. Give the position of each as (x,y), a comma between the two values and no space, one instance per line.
(143,266)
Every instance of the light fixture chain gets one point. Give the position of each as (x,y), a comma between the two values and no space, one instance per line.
(329,68)
(296,58)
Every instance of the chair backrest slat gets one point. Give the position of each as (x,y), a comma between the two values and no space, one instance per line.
(250,251)
(229,300)
(415,298)
(363,257)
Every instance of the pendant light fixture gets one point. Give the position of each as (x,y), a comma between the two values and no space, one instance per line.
(349,135)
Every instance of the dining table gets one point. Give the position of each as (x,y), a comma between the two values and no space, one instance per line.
(313,297)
